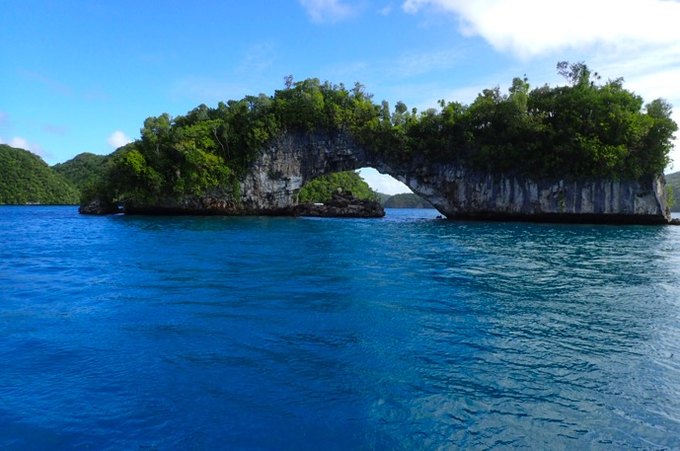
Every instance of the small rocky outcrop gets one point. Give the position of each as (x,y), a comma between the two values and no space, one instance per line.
(98,207)
(342,205)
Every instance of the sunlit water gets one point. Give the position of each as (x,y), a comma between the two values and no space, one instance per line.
(279,333)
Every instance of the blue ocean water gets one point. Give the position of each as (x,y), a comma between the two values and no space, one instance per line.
(406,332)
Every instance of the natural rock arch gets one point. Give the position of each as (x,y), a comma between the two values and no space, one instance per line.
(283,167)
(272,183)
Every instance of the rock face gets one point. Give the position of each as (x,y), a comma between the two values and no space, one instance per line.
(342,205)
(288,163)
(98,207)
(271,188)
(460,193)
(454,190)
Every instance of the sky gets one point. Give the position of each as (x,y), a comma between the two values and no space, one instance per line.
(81,76)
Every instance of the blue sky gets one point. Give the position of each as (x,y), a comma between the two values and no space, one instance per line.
(81,76)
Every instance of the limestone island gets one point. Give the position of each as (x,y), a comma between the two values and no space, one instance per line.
(341,205)
(585,152)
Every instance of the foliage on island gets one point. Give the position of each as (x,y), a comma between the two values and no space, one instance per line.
(406,200)
(26,179)
(321,189)
(673,184)
(82,170)
(582,130)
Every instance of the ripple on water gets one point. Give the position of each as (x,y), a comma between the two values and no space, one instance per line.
(406,332)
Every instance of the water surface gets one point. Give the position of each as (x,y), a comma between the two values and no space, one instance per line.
(291,333)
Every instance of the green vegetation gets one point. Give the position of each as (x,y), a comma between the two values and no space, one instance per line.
(382,198)
(26,179)
(82,170)
(584,130)
(322,188)
(406,200)
(673,184)
(212,148)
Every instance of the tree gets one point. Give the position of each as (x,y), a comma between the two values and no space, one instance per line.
(321,189)
(584,130)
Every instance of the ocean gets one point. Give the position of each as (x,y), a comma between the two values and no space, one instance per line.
(407,332)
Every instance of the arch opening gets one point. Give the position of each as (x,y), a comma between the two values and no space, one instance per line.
(365,183)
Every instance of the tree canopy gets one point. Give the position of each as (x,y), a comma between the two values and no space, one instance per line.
(582,130)
(673,181)
(26,179)
(406,200)
(82,170)
(321,189)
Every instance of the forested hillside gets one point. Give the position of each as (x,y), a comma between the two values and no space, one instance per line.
(82,170)
(673,180)
(406,200)
(321,189)
(26,179)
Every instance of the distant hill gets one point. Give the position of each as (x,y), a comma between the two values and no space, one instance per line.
(322,188)
(406,200)
(83,169)
(26,179)
(673,180)
(382,198)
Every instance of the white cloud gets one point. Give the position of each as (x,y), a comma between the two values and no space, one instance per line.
(382,183)
(414,64)
(22,143)
(321,11)
(208,90)
(118,139)
(19,142)
(385,10)
(636,39)
(530,28)
(258,58)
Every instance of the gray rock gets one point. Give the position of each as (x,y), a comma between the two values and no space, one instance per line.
(342,205)
(98,207)
(273,182)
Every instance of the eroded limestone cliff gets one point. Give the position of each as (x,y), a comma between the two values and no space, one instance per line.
(272,185)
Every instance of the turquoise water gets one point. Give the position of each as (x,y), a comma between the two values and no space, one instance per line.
(288,333)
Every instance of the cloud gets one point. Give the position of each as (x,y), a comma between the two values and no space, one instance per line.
(55,129)
(413,64)
(200,89)
(53,85)
(530,28)
(382,183)
(636,39)
(118,139)
(327,11)
(19,143)
(258,59)
(22,143)
(385,10)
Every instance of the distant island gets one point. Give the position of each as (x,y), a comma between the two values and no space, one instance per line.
(406,200)
(673,182)
(26,179)
(588,151)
